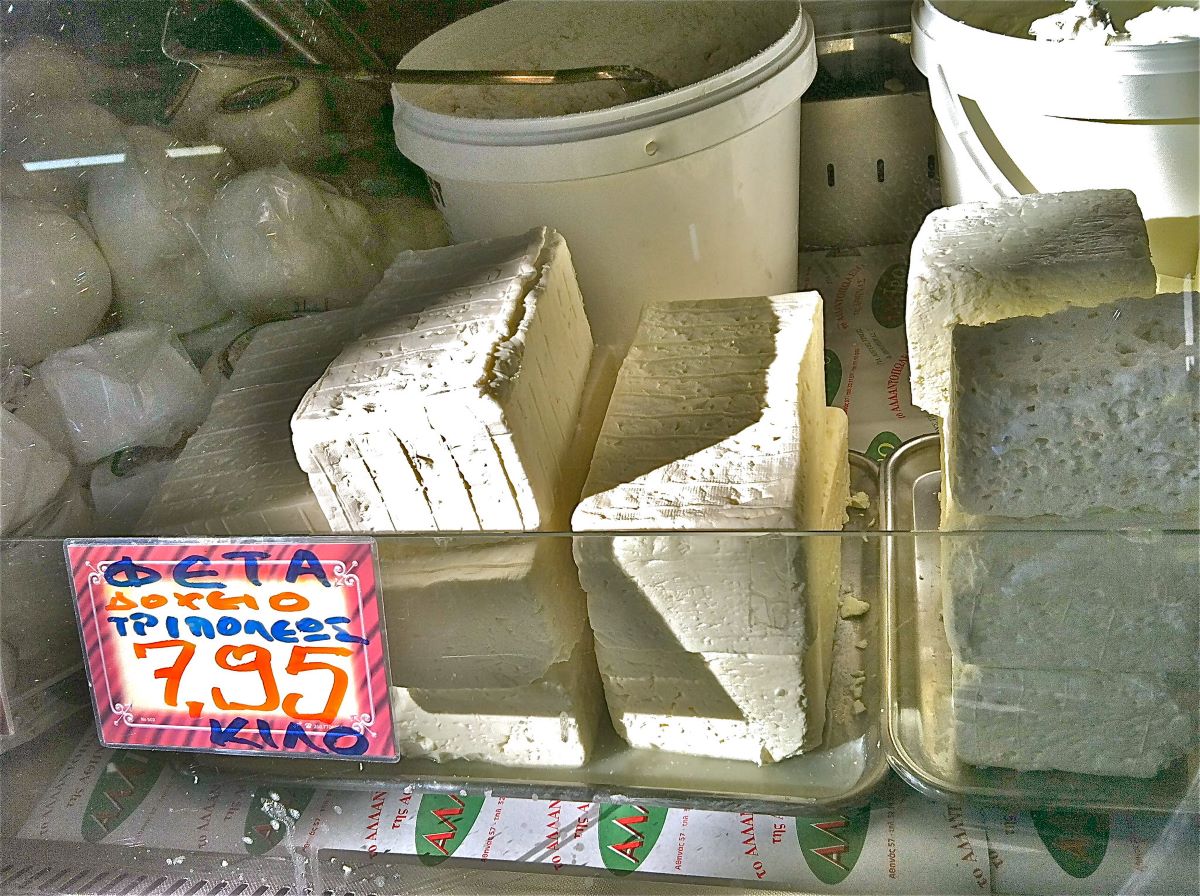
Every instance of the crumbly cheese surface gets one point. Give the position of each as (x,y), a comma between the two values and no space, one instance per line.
(476,615)
(1099,723)
(1084,409)
(1086,22)
(1117,601)
(246,440)
(456,407)
(981,262)
(550,722)
(717,422)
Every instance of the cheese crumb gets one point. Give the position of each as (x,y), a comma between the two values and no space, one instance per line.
(861,643)
(859,501)
(852,606)
(859,707)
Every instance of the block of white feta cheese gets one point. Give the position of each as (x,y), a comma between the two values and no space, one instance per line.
(455,408)
(238,474)
(717,422)
(695,610)
(1099,723)
(550,722)
(31,472)
(134,386)
(986,261)
(472,615)
(1121,601)
(706,429)
(771,717)
(1081,410)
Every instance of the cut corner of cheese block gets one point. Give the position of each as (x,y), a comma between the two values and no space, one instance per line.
(478,615)
(1078,410)
(456,407)
(730,706)
(1095,723)
(551,722)
(32,472)
(981,262)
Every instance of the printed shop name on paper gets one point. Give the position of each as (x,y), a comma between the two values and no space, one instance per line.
(247,647)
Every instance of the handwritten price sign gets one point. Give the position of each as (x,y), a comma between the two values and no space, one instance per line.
(270,647)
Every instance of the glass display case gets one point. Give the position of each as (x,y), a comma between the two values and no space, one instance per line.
(540,446)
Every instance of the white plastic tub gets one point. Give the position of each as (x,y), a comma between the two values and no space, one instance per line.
(690,194)
(1020,116)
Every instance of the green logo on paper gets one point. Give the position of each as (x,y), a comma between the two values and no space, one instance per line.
(833,376)
(1077,840)
(272,810)
(627,834)
(887,304)
(443,822)
(883,445)
(125,782)
(832,844)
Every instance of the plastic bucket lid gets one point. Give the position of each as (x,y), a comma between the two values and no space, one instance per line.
(1122,82)
(613,140)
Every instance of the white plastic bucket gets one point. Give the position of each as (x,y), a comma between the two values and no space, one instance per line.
(1019,116)
(692,194)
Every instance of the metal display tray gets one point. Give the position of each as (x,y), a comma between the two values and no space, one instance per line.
(920,735)
(842,772)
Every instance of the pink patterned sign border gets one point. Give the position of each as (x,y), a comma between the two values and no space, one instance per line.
(99,569)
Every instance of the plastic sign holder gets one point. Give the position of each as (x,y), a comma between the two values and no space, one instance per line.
(272,647)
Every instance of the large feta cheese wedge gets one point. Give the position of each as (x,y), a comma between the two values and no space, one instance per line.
(731,713)
(238,474)
(1121,601)
(986,261)
(1098,723)
(717,422)
(455,408)
(551,722)
(31,472)
(704,431)
(1080,410)
(474,615)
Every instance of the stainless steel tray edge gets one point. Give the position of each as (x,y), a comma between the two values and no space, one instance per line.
(893,520)
(902,495)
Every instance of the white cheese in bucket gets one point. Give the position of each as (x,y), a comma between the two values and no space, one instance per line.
(689,194)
